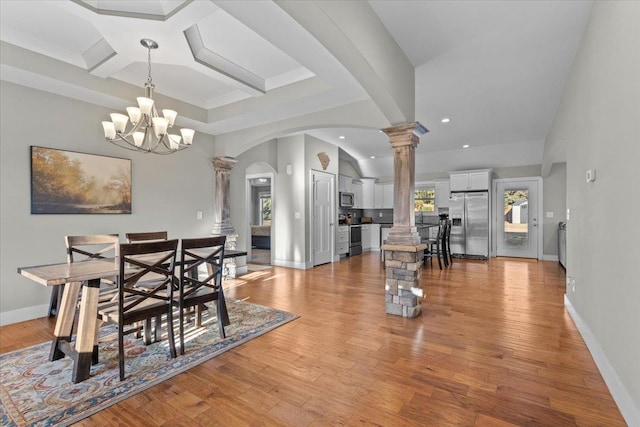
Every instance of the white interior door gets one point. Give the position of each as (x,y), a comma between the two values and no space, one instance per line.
(322,226)
(517,218)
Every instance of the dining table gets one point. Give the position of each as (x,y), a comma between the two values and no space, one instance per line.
(83,278)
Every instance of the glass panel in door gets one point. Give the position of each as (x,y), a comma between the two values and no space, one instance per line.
(516,219)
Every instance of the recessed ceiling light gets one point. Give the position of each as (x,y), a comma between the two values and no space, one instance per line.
(465,146)
(341,137)
(446,120)
(373,157)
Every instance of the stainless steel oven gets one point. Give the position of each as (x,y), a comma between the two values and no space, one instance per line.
(355,240)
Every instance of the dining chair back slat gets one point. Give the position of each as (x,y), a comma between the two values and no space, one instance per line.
(146,236)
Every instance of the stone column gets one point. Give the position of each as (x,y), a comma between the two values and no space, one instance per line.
(221,213)
(403,250)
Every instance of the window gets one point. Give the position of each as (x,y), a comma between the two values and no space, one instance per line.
(425,199)
(265,209)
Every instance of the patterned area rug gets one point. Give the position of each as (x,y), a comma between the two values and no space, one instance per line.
(36,392)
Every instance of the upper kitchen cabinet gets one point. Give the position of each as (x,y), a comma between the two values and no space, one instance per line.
(345,184)
(442,193)
(368,191)
(470,180)
(358,193)
(383,196)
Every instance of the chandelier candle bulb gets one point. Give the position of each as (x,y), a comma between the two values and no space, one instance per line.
(170,115)
(109,130)
(174,141)
(119,121)
(134,114)
(160,125)
(138,138)
(187,135)
(145,104)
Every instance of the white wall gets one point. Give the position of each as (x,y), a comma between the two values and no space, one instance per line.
(166,190)
(599,119)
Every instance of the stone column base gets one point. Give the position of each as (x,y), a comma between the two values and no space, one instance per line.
(229,264)
(403,291)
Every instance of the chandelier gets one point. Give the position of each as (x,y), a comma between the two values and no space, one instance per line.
(149,131)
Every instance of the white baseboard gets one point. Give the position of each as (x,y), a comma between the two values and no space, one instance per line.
(22,314)
(550,258)
(292,264)
(630,412)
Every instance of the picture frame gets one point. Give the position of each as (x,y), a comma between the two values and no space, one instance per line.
(70,182)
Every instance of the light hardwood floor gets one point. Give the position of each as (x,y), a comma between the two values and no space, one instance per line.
(493,346)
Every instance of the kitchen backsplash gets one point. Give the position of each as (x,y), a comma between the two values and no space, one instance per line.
(385,216)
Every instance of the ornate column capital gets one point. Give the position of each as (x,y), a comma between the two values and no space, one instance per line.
(223,163)
(406,134)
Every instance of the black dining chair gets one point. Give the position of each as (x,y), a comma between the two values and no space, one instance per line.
(198,288)
(149,329)
(434,247)
(152,263)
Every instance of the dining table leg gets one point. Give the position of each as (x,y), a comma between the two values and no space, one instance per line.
(87,323)
(64,322)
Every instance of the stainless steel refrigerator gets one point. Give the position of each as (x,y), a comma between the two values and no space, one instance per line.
(469,215)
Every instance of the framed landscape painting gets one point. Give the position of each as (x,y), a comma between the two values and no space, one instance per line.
(67,182)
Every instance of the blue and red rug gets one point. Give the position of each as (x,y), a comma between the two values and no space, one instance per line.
(36,392)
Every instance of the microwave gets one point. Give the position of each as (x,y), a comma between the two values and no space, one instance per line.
(346,200)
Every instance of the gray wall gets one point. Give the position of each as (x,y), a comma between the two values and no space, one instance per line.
(599,121)
(167,190)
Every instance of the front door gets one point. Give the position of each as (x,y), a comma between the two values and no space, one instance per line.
(322,221)
(517,222)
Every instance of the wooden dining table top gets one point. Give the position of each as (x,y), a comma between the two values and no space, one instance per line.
(79,271)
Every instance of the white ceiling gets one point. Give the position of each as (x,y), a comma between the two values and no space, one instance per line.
(496,68)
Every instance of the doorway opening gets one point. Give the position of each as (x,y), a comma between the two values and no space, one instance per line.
(260,214)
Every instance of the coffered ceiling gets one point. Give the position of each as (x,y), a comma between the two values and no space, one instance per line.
(497,69)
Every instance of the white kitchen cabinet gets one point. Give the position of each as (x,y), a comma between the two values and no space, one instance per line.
(366,237)
(368,192)
(377,196)
(387,195)
(342,244)
(470,180)
(345,183)
(375,237)
(383,196)
(358,193)
(442,193)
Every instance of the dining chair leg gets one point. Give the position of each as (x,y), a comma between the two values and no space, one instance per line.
(219,309)
(121,351)
(170,336)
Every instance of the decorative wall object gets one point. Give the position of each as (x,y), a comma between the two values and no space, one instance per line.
(324,160)
(68,182)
